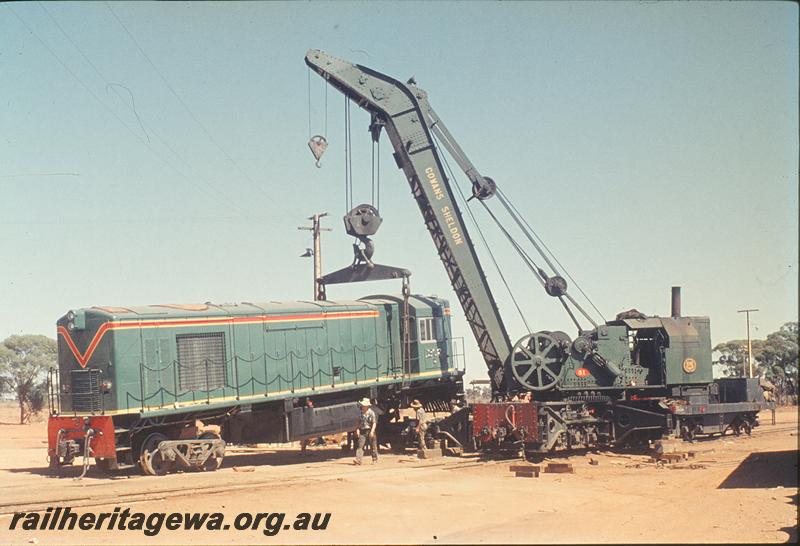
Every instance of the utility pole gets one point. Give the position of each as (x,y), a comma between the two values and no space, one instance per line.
(317,252)
(749,343)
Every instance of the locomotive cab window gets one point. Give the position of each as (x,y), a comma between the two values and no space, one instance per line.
(427,330)
(201,361)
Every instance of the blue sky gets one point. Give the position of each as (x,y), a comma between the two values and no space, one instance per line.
(649,144)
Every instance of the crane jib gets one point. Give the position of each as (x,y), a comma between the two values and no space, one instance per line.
(447,213)
(409,122)
(437,188)
(450,222)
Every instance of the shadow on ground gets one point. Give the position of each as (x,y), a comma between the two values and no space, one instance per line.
(232,459)
(285,457)
(764,470)
(73,471)
(792,532)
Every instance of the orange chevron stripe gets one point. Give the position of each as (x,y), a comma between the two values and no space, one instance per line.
(83,358)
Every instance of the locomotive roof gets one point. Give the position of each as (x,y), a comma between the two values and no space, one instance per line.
(208,309)
(161,311)
(417,301)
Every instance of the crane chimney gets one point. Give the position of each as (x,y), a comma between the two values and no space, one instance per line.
(676,301)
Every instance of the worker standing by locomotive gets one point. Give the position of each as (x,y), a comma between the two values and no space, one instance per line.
(366,431)
(422,425)
(304,442)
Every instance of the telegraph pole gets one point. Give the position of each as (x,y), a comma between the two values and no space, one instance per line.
(749,343)
(316,230)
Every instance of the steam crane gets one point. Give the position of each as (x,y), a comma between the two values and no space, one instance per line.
(633,378)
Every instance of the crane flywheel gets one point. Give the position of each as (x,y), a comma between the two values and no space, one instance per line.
(537,359)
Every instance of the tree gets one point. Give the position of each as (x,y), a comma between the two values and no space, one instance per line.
(24,361)
(733,356)
(774,359)
(778,359)
(478,393)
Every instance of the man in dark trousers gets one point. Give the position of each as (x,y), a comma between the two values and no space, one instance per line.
(305,441)
(366,431)
(422,425)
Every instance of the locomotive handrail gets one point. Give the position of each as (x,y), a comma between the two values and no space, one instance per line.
(316,378)
(54,390)
(175,362)
(320,375)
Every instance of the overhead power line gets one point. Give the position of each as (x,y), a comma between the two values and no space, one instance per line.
(221,195)
(20,175)
(186,107)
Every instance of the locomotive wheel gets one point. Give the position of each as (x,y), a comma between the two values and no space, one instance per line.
(150,459)
(747,427)
(537,360)
(213,462)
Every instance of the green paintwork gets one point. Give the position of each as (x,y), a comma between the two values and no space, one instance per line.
(681,338)
(425,355)
(264,360)
(689,337)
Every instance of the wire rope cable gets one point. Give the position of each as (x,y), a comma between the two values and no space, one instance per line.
(540,273)
(555,258)
(481,235)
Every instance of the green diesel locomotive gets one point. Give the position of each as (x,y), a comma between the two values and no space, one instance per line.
(167,385)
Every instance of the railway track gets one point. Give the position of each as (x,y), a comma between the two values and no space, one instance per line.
(770,429)
(92,494)
(102,498)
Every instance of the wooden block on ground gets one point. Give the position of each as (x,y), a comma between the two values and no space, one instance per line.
(525,470)
(429,453)
(667,446)
(559,468)
(672,457)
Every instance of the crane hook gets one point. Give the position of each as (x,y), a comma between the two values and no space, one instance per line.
(318,144)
